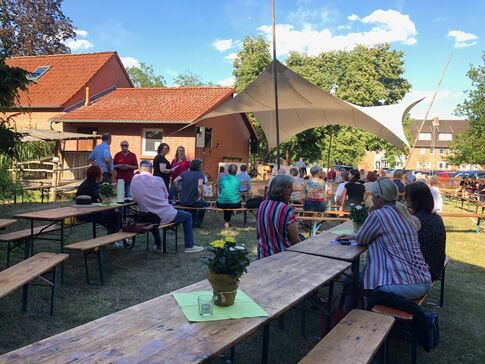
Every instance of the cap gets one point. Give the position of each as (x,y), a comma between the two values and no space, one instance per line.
(146,163)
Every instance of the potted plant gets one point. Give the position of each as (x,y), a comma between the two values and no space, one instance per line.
(358,214)
(228,263)
(106,190)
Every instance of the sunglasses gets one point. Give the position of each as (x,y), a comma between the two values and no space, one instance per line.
(124,145)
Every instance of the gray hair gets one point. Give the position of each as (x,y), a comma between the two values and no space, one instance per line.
(232,169)
(145,168)
(278,186)
(314,170)
(398,173)
(345,175)
(294,171)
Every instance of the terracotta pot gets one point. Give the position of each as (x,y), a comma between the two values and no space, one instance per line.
(224,287)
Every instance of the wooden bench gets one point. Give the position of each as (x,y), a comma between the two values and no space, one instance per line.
(20,239)
(244,210)
(479,217)
(21,274)
(317,221)
(356,339)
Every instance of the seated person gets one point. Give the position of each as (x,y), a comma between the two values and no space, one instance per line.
(276,221)
(245,181)
(314,190)
(297,195)
(190,186)
(353,192)
(432,235)
(395,263)
(151,195)
(229,197)
(111,220)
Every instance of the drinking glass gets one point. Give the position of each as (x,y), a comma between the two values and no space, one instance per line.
(206,304)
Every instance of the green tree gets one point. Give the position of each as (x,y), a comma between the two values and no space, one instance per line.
(31,28)
(190,79)
(469,146)
(144,76)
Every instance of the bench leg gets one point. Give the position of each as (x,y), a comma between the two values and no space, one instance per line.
(25,296)
(281,321)
(245,220)
(414,346)
(147,237)
(442,288)
(328,324)
(233,354)
(176,238)
(164,241)
(86,266)
(385,351)
(8,254)
(303,320)
(53,290)
(100,265)
(265,349)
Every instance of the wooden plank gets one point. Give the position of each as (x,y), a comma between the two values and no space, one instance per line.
(355,339)
(157,331)
(321,218)
(402,315)
(6,222)
(458,214)
(100,241)
(25,271)
(69,211)
(25,233)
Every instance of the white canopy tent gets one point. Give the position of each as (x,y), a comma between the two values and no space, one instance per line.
(302,106)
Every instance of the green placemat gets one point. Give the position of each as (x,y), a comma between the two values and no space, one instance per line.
(343,232)
(243,307)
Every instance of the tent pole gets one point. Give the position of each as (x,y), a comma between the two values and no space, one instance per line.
(275,82)
(329,147)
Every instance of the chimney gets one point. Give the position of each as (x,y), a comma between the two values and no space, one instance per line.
(436,121)
(86,102)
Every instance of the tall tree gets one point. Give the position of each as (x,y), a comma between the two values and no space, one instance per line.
(469,146)
(190,79)
(31,28)
(144,76)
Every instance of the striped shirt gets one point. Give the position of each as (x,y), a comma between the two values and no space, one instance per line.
(394,255)
(273,218)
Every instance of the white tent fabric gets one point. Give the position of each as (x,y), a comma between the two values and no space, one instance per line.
(302,106)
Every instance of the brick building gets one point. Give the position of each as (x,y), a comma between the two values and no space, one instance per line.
(147,116)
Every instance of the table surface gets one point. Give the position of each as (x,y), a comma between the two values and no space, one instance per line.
(157,331)
(61,213)
(320,245)
(6,222)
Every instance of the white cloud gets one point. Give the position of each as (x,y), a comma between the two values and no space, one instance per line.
(462,39)
(388,26)
(81,33)
(78,44)
(444,105)
(130,62)
(228,82)
(231,56)
(223,45)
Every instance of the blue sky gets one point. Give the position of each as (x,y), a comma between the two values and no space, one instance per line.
(203,36)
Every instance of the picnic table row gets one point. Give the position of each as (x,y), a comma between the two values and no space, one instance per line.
(158,331)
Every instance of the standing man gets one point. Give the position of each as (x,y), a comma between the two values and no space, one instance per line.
(301,165)
(101,156)
(125,163)
(245,180)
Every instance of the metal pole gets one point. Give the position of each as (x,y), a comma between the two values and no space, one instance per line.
(329,147)
(275,82)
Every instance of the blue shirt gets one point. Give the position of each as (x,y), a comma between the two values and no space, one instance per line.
(245,181)
(98,155)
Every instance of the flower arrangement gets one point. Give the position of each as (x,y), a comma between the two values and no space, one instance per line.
(358,214)
(229,257)
(106,189)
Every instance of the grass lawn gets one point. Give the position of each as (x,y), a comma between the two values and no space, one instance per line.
(134,276)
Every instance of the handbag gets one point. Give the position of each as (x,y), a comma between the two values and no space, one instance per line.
(142,223)
(254,202)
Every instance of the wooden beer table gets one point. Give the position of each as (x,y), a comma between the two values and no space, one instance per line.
(157,331)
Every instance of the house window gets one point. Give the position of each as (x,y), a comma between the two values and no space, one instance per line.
(443,165)
(423,165)
(39,71)
(445,136)
(151,140)
(442,151)
(431,150)
(423,150)
(424,136)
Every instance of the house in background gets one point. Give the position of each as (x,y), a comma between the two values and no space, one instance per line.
(148,116)
(60,81)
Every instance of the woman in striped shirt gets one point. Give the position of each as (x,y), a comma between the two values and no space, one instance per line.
(276,221)
(394,260)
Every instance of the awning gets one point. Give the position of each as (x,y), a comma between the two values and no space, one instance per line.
(36,135)
(302,106)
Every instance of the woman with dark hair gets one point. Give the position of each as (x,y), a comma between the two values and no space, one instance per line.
(276,221)
(190,185)
(229,196)
(432,235)
(111,220)
(371,177)
(161,166)
(353,192)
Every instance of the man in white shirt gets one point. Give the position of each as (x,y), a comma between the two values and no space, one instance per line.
(151,195)
(301,165)
(435,191)
(344,177)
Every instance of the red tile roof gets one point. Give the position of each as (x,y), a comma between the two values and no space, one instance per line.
(68,73)
(178,104)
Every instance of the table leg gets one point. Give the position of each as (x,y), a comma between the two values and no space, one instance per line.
(62,250)
(94,229)
(30,247)
(328,322)
(265,350)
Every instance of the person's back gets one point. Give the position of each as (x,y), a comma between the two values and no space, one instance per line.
(89,188)
(432,240)
(229,187)
(355,193)
(190,186)
(244,180)
(151,195)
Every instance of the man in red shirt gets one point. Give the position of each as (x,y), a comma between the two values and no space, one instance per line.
(125,163)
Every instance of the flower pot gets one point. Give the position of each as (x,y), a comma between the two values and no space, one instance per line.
(224,287)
